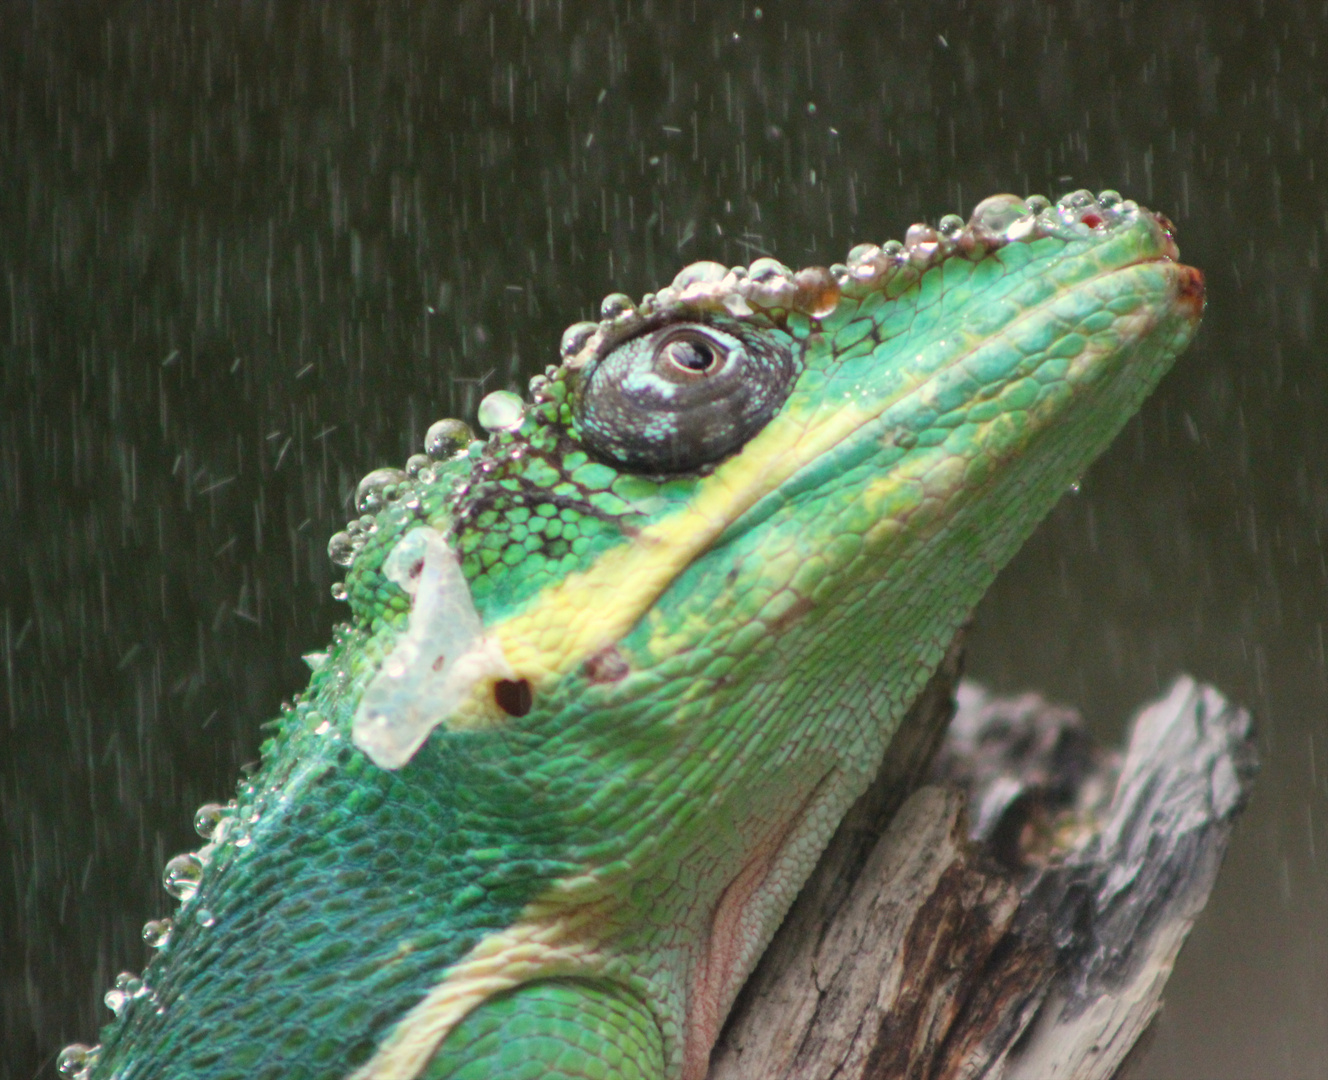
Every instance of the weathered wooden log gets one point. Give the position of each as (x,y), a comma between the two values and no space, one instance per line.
(1026,938)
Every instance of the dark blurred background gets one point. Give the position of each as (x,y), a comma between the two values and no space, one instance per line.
(249,251)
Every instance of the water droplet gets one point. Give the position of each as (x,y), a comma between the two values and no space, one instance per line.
(377,489)
(1075,487)
(127,987)
(341,548)
(864,262)
(1075,200)
(157,932)
(1037,203)
(76,1058)
(575,338)
(182,875)
(998,213)
(950,226)
(501,411)
(817,293)
(206,819)
(205,917)
(339,590)
(616,304)
(416,462)
(447,438)
(700,273)
(921,240)
(893,252)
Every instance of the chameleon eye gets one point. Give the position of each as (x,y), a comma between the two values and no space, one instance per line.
(682,396)
(691,355)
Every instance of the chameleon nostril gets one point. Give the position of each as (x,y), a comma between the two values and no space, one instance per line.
(513,696)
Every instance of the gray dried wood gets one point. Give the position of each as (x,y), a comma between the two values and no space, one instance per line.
(1028,940)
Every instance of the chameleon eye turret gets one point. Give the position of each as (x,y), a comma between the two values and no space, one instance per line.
(683,395)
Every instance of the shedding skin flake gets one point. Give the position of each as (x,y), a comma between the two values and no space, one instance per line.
(435,663)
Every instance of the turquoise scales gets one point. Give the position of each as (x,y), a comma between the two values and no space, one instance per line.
(612,675)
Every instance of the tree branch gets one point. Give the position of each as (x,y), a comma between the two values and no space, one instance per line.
(1031,944)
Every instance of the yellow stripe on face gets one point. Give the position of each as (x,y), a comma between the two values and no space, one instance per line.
(594,608)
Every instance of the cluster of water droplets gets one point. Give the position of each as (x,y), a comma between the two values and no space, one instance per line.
(181,877)
(999,220)
(445,441)
(217,823)
(763,290)
(767,288)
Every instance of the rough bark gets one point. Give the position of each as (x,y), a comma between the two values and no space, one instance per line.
(1026,938)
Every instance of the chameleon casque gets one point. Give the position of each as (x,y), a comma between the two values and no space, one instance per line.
(612,675)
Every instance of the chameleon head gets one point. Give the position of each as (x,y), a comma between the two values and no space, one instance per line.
(617,671)
(786,441)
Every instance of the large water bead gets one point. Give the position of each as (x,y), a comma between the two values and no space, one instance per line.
(1076,200)
(447,438)
(864,262)
(377,489)
(341,548)
(502,411)
(76,1059)
(616,304)
(700,273)
(996,214)
(817,291)
(922,241)
(575,338)
(182,875)
(950,226)
(768,270)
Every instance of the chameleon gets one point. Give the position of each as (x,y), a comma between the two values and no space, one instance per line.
(613,672)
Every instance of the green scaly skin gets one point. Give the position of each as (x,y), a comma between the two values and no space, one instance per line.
(574,873)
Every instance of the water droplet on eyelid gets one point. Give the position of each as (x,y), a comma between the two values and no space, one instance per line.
(502,411)
(446,438)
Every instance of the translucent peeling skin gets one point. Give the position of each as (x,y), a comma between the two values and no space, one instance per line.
(612,675)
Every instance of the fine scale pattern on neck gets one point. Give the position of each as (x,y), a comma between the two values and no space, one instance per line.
(613,674)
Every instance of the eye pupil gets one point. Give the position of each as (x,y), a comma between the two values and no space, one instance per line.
(691,355)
